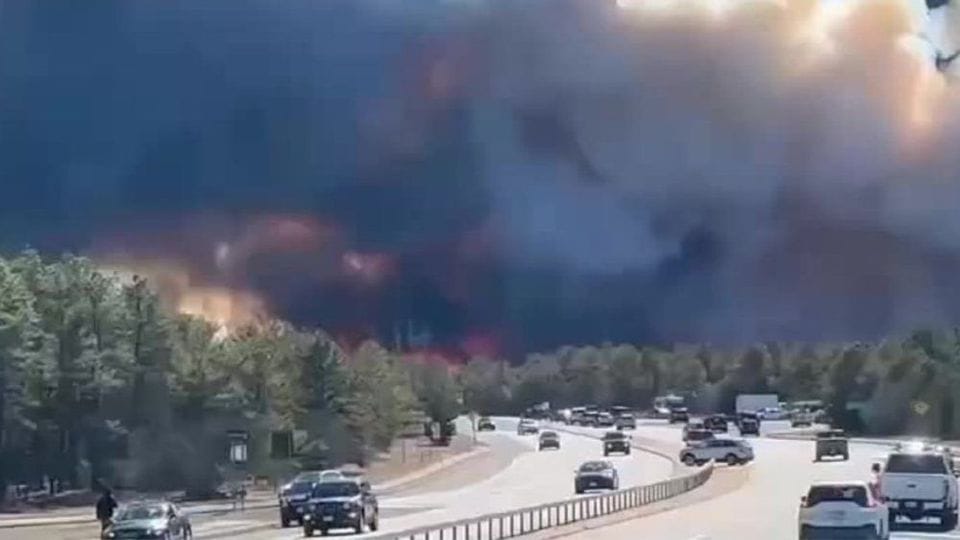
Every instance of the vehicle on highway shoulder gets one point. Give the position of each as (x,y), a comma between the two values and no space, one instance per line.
(678,415)
(833,443)
(842,510)
(716,423)
(527,426)
(149,520)
(342,504)
(729,451)
(626,421)
(486,424)
(548,439)
(616,441)
(918,485)
(596,475)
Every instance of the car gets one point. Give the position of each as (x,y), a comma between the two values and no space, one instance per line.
(692,426)
(293,500)
(526,426)
(590,419)
(615,441)
(801,419)
(772,413)
(548,439)
(731,451)
(596,475)
(748,423)
(626,421)
(149,520)
(605,419)
(842,510)
(919,485)
(486,424)
(832,443)
(679,415)
(341,504)
(716,423)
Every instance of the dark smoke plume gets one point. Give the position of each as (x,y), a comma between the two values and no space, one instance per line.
(497,175)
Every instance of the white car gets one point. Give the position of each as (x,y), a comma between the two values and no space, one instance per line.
(528,426)
(835,509)
(730,451)
(772,413)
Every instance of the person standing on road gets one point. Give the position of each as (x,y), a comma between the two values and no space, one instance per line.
(105,508)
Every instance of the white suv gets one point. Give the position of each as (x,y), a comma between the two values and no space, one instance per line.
(834,509)
(731,451)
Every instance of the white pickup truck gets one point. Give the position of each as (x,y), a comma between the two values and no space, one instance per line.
(918,485)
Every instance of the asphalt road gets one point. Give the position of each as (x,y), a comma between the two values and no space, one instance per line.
(532,478)
(766,505)
(511,475)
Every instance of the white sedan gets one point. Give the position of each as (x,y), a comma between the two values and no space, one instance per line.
(831,509)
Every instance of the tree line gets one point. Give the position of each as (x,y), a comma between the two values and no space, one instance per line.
(894,386)
(89,359)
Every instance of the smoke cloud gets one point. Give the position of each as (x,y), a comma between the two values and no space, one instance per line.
(500,176)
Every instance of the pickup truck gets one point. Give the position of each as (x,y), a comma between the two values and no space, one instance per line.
(918,485)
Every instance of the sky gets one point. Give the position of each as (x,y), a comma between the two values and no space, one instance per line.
(497,176)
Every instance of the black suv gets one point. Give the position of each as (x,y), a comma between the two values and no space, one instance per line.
(341,504)
(615,441)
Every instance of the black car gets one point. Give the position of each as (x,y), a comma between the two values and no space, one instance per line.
(486,424)
(341,504)
(149,520)
(679,415)
(294,498)
(716,423)
(615,441)
(596,475)
(549,439)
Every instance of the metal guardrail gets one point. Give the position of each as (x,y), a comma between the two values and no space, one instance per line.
(537,518)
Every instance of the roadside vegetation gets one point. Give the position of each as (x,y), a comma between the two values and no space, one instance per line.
(905,386)
(96,376)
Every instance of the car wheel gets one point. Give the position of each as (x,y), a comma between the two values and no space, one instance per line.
(732,459)
(689,460)
(307,530)
(284,522)
(578,491)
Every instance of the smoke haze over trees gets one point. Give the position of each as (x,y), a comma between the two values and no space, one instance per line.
(498,175)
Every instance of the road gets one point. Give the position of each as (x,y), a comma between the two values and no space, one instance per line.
(516,475)
(766,505)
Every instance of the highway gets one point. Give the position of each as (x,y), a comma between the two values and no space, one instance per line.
(532,478)
(764,506)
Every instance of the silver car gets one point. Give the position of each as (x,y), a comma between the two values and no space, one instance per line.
(730,451)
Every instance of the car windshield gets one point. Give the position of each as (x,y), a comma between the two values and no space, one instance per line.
(854,494)
(916,463)
(593,466)
(614,436)
(132,513)
(548,435)
(335,489)
(298,488)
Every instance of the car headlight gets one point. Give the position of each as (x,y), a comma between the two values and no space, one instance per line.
(608,473)
(110,534)
(158,531)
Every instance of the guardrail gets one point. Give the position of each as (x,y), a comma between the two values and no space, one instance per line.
(537,518)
